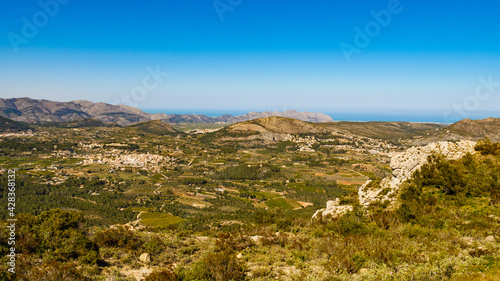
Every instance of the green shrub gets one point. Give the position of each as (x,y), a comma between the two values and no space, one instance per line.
(163,275)
(215,266)
(486,147)
(118,237)
(441,173)
(248,172)
(56,235)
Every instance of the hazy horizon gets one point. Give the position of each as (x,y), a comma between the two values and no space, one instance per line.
(428,117)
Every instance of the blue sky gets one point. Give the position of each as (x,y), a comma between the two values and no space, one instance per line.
(421,58)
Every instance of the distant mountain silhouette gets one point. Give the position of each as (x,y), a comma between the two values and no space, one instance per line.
(39,110)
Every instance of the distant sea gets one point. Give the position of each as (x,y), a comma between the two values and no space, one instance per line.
(428,117)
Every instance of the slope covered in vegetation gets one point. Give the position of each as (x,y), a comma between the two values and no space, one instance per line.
(445,226)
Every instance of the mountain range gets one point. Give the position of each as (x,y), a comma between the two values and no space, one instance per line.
(16,114)
(276,128)
(39,110)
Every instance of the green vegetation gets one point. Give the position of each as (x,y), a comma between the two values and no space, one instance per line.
(249,172)
(200,207)
(8,125)
(79,123)
(155,127)
(279,203)
(39,197)
(160,220)
(486,147)
(10,145)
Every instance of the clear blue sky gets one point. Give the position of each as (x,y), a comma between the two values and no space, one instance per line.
(240,55)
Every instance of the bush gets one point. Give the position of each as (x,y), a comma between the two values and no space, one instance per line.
(486,147)
(442,174)
(223,266)
(56,235)
(118,237)
(52,271)
(249,172)
(216,266)
(193,181)
(411,199)
(161,276)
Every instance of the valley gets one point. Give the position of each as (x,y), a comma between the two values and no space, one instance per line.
(156,201)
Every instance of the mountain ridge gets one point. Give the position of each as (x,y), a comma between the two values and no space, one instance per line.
(41,110)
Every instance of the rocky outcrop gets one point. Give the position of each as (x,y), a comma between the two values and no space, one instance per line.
(333,210)
(145,257)
(403,166)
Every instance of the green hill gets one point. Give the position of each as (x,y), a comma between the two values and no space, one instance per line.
(79,123)
(464,129)
(278,125)
(382,130)
(155,127)
(478,129)
(8,125)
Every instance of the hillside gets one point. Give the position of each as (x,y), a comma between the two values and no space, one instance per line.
(478,129)
(267,129)
(275,128)
(464,129)
(155,127)
(8,125)
(383,130)
(278,125)
(37,111)
(79,123)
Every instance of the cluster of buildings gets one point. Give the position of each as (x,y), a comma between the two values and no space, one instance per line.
(116,158)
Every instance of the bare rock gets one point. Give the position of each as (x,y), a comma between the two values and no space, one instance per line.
(467,240)
(490,239)
(333,209)
(404,164)
(145,257)
(363,271)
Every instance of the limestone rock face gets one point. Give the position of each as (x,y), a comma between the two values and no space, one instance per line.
(333,209)
(403,166)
